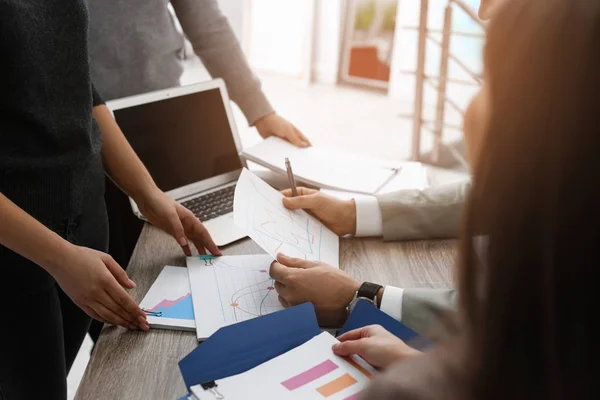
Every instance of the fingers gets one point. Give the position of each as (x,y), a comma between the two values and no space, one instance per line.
(109,316)
(350,347)
(294,262)
(197,232)
(353,335)
(116,271)
(304,140)
(116,308)
(302,191)
(283,302)
(279,273)
(292,135)
(175,228)
(281,289)
(121,297)
(306,202)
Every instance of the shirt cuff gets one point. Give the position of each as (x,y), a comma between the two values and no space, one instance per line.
(368,216)
(391,302)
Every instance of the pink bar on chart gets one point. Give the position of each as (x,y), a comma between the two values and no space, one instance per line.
(309,375)
(353,397)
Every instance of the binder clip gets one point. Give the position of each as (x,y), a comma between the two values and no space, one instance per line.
(208,259)
(212,387)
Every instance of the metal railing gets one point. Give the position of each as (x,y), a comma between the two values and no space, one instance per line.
(440,83)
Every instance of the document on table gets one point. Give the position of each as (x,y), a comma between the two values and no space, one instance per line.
(230,289)
(322,168)
(310,371)
(168,303)
(259,211)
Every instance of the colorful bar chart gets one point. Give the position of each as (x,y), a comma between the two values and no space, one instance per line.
(336,385)
(359,367)
(309,375)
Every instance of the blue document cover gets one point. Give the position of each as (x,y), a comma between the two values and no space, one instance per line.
(239,347)
(365,314)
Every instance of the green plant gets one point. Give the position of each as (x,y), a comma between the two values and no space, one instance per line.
(364,16)
(389,18)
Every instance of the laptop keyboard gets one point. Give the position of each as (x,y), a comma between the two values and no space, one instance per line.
(212,205)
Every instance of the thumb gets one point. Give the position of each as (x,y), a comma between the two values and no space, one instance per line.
(301,202)
(349,347)
(175,228)
(294,262)
(118,272)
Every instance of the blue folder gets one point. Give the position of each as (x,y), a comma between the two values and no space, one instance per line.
(237,348)
(365,314)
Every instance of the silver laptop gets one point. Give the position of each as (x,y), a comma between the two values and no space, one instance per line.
(186,137)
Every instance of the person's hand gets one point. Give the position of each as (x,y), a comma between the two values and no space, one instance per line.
(375,345)
(338,215)
(329,289)
(274,125)
(178,221)
(95,283)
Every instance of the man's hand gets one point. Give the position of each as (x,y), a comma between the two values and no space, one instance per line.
(377,346)
(178,221)
(274,125)
(95,282)
(329,289)
(337,215)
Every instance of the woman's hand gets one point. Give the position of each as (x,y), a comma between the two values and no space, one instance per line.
(375,345)
(337,215)
(274,125)
(178,221)
(95,282)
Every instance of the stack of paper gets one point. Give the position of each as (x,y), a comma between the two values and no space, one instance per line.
(334,170)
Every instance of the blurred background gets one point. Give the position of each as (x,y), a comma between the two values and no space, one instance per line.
(345,71)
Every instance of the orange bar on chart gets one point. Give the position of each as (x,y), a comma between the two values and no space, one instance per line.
(358,367)
(336,385)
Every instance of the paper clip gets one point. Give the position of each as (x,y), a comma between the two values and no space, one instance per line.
(152,313)
(212,387)
(208,259)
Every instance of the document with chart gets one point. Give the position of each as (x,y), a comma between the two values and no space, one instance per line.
(259,211)
(310,371)
(168,303)
(230,289)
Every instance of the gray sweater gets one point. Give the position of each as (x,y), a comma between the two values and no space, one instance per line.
(134,48)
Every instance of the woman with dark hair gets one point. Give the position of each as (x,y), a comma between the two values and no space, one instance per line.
(526,326)
(57,139)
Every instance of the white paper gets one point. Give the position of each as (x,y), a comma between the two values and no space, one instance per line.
(259,211)
(168,303)
(322,168)
(230,289)
(271,380)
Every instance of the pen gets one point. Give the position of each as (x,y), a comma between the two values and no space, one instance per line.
(291,178)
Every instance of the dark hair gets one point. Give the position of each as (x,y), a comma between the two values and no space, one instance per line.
(529,304)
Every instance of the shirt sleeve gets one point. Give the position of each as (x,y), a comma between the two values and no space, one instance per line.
(213,40)
(368,216)
(391,302)
(96,99)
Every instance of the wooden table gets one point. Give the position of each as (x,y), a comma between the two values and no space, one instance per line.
(138,365)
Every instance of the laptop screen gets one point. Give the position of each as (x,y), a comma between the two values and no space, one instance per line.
(181,140)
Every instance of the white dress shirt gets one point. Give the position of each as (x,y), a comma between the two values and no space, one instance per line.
(369,223)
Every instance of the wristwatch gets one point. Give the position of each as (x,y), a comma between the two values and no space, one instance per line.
(368,292)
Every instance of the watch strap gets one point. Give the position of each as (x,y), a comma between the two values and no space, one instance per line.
(368,290)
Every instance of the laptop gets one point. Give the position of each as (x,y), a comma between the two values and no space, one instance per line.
(187,139)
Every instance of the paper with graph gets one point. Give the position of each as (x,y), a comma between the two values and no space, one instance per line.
(168,303)
(230,289)
(310,371)
(259,211)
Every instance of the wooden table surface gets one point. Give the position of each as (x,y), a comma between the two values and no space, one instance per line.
(139,365)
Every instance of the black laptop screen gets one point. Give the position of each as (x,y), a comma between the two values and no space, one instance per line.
(181,140)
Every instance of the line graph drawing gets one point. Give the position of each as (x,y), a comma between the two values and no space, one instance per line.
(231,289)
(258,209)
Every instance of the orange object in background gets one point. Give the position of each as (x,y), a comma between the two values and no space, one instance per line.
(364,63)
